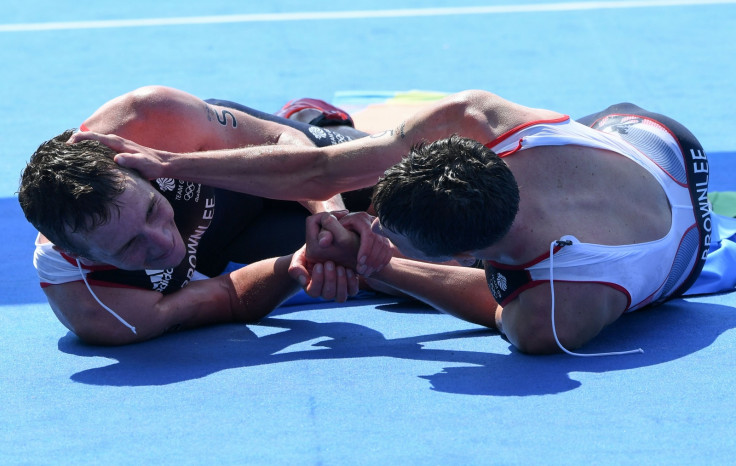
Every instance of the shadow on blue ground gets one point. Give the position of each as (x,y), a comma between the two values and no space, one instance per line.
(667,333)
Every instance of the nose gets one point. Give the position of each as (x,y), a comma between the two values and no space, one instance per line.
(159,242)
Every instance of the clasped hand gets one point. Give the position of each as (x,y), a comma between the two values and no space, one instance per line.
(339,247)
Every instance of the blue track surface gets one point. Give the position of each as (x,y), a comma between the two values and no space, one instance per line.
(375,382)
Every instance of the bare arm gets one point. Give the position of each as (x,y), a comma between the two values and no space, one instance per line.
(284,172)
(168,119)
(245,295)
(459,291)
(302,172)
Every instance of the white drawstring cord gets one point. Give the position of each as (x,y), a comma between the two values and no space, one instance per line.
(84,277)
(563,243)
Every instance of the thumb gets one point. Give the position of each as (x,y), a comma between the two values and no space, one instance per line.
(331,226)
(298,267)
(325,238)
(121,159)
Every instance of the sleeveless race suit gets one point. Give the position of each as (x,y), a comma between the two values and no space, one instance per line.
(648,272)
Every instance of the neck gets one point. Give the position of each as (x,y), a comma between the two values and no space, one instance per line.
(508,249)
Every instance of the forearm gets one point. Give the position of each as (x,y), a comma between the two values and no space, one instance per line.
(458,291)
(244,295)
(330,205)
(277,172)
(289,172)
(256,290)
(247,294)
(149,312)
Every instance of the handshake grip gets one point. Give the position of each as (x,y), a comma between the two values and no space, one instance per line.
(347,239)
(328,240)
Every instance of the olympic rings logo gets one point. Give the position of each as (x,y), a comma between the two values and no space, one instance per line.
(189,191)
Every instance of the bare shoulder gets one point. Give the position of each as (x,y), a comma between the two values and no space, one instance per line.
(498,114)
(476,114)
(133,105)
(154,116)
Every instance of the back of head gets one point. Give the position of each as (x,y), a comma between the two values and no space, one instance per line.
(67,188)
(448,197)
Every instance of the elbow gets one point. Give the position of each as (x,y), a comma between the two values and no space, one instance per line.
(540,339)
(532,333)
(105,330)
(100,336)
(93,328)
(531,339)
(536,346)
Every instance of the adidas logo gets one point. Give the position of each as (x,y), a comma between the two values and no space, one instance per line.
(160,278)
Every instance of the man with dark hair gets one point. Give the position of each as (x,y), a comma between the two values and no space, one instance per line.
(458,174)
(612,211)
(117,249)
(93,182)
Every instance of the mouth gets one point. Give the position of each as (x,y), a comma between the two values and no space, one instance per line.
(176,254)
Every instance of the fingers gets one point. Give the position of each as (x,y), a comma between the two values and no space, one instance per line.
(115,143)
(331,224)
(83,136)
(298,267)
(330,282)
(316,282)
(341,289)
(325,238)
(314,225)
(374,254)
(327,281)
(339,213)
(359,222)
(148,162)
(352,282)
(366,245)
(375,251)
(124,160)
(329,285)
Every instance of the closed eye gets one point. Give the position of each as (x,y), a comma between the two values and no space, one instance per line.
(151,208)
(125,248)
(129,245)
